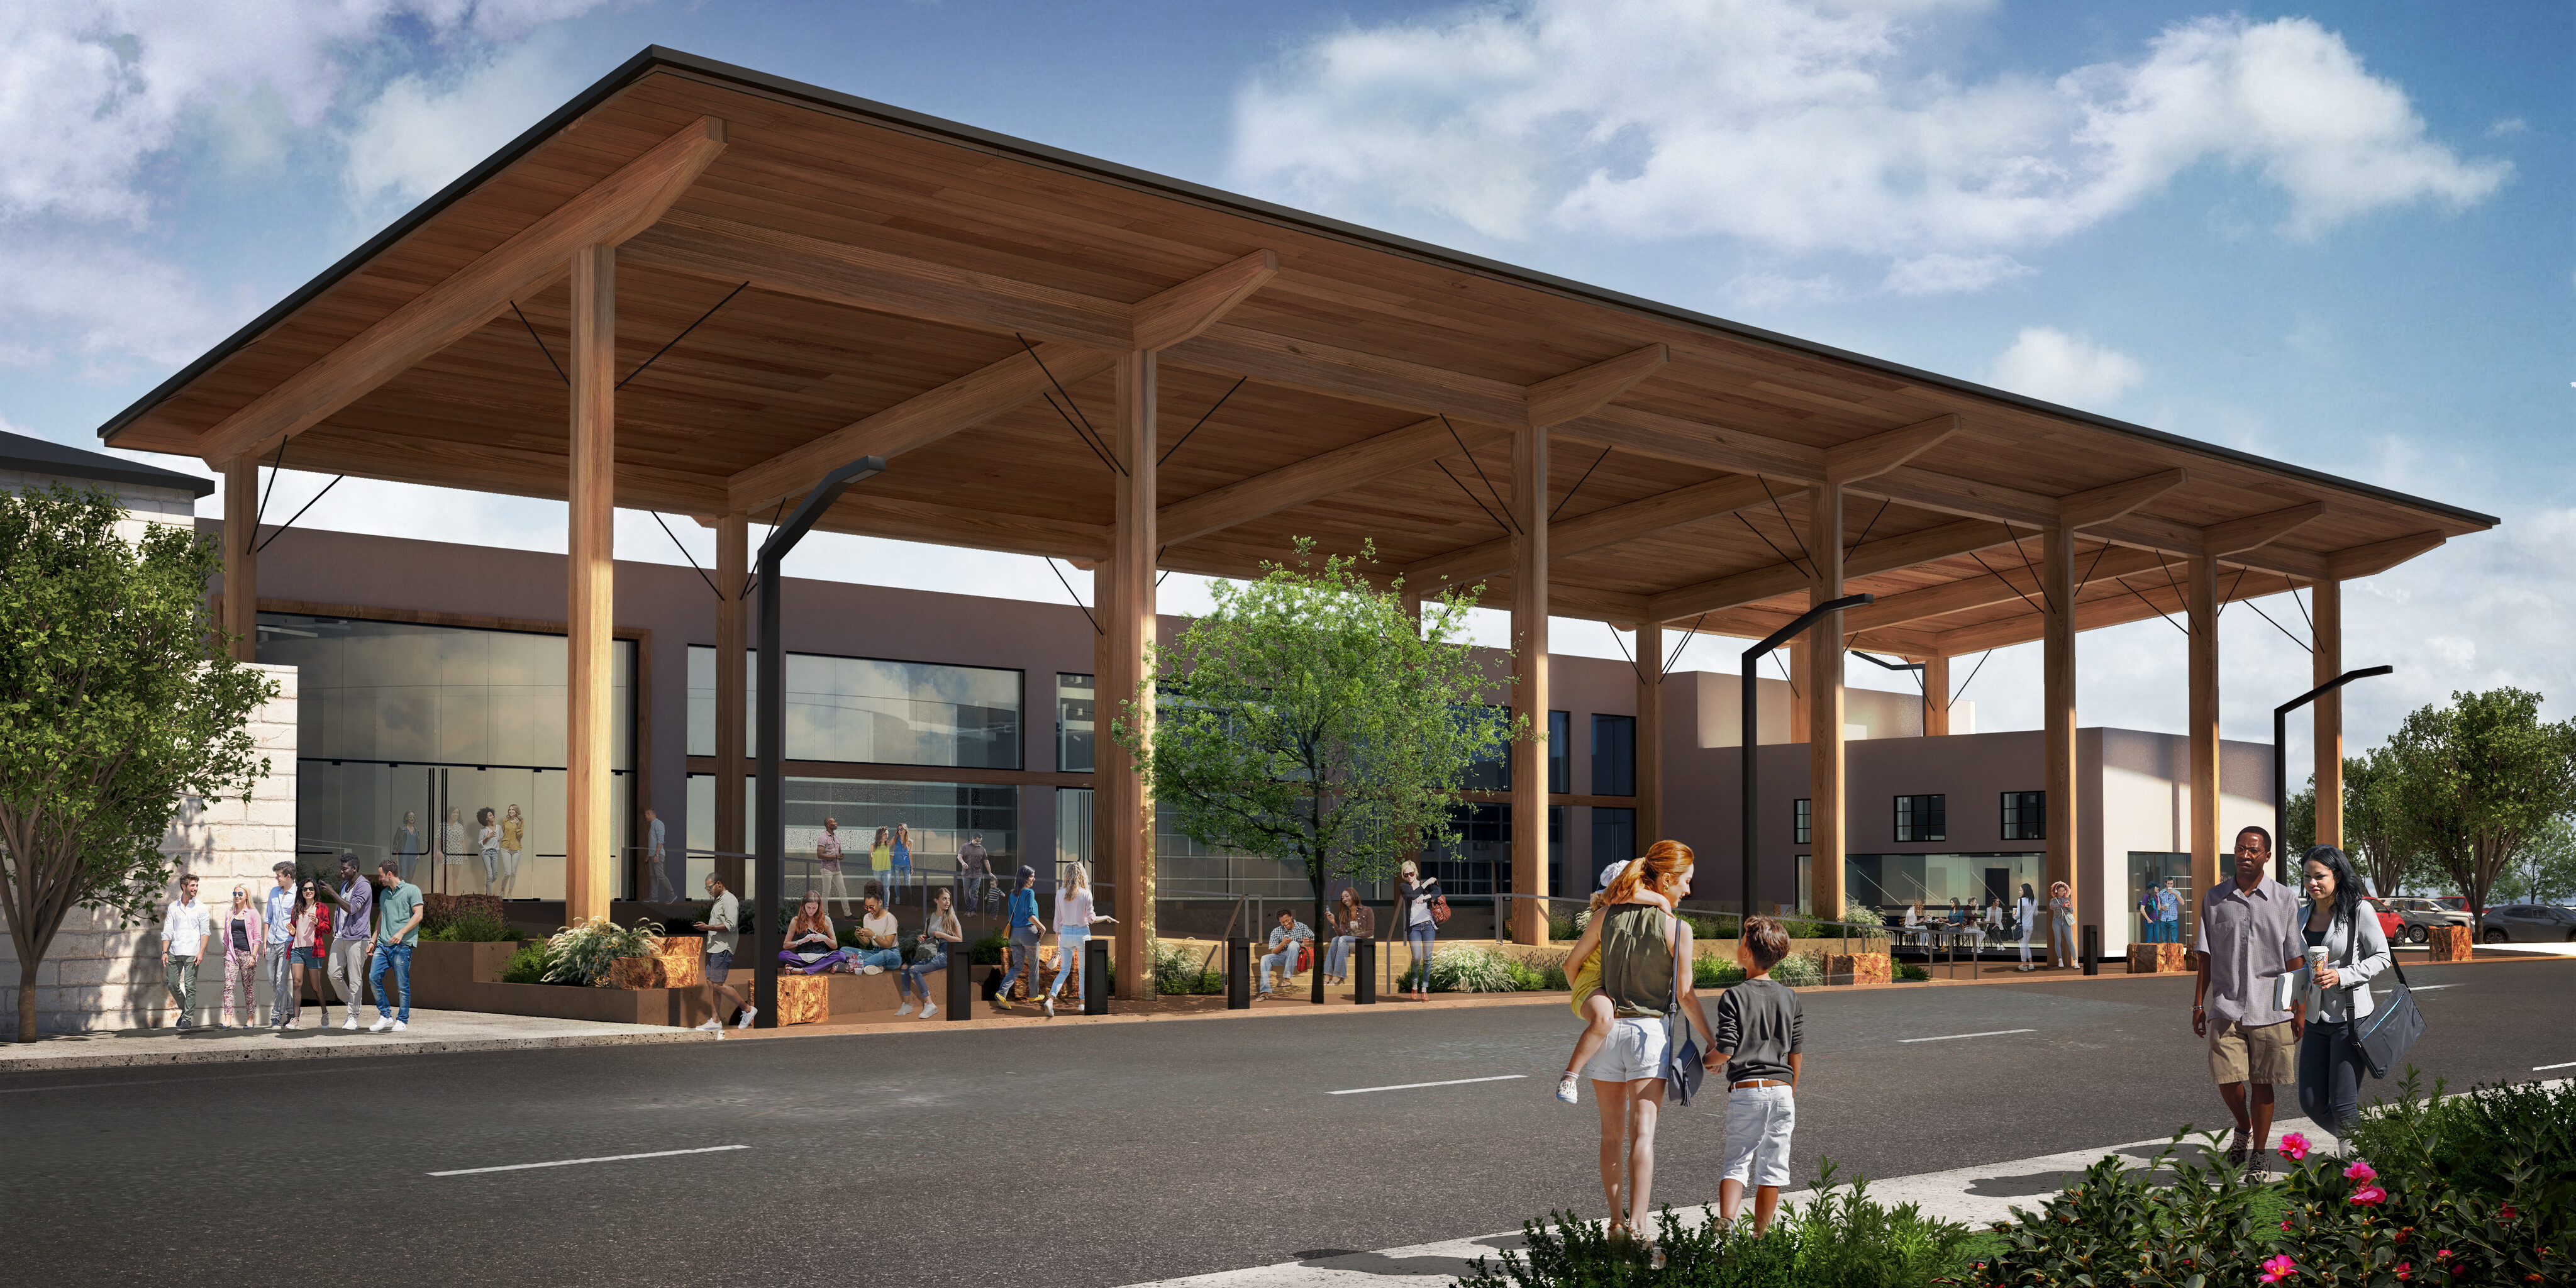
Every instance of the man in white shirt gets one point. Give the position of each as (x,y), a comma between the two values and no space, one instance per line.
(185,924)
(722,938)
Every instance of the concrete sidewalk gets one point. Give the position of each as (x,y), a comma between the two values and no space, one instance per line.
(431,1032)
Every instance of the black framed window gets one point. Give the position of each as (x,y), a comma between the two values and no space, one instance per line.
(1614,755)
(2025,816)
(1923,818)
(1614,837)
(1560,737)
(1803,812)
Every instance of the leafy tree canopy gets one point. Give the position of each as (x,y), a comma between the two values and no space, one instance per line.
(2477,780)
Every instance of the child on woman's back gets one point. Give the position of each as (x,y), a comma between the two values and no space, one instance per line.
(1589,1001)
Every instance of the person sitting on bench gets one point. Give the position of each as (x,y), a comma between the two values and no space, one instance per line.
(1286,939)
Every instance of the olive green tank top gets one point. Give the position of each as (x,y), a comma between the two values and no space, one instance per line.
(1637,959)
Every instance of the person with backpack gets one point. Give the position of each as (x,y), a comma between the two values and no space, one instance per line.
(1419,909)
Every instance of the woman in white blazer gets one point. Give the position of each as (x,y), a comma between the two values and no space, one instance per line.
(2355,950)
(2029,921)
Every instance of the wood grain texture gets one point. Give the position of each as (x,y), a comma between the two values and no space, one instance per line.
(1169,317)
(1581,392)
(1649,661)
(1121,692)
(1877,454)
(2209,852)
(2116,500)
(2326,713)
(732,763)
(2378,556)
(1826,777)
(2057,574)
(1602,528)
(240,618)
(1529,692)
(1320,476)
(2239,535)
(590,859)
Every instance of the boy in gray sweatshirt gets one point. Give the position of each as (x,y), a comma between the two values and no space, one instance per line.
(1758,1038)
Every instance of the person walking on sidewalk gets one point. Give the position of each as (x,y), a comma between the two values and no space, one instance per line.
(1026,931)
(312,948)
(974,870)
(277,914)
(1074,918)
(722,931)
(397,930)
(2061,925)
(2249,935)
(665,890)
(2346,949)
(1413,903)
(242,933)
(2028,913)
(352,938)
(185,926)
(1759,1028)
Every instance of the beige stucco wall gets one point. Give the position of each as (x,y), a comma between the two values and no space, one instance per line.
(99,975)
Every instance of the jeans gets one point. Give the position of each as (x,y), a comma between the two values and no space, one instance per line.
(1069,946)
(2330,1075)
(881,958)
(181,977)
(283,1004)
(397,956)
(970,892)
(662,882)
(1420,938)
(916,977)
(346,973)
(2062,947)
(1024,957)
(1337,961)
(408,861)
(1285,960)
(492,870)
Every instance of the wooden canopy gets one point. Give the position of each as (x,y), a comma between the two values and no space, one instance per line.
(803,277)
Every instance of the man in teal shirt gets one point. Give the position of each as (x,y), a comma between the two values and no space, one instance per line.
(397,929)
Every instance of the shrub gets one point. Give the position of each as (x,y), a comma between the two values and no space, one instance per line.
(1178,972)
(527,966)
(1836,1238)
(583,954)
(439,911)
(1561,926)
(1709,972)
(1472,969)
(988,950)
(1911,972)
(1803,969)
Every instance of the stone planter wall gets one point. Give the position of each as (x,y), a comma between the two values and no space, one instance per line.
(2159,959)
(2450,943)
(1857,968)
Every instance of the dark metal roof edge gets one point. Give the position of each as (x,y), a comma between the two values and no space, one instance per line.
(86,464)
(654,56)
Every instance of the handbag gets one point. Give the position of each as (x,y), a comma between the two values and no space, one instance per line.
(1439,910)
(2390,1030)
(1682,1069)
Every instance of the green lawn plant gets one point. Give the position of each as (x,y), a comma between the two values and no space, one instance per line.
(1180,972)
(583,954)
(123,706)
(1309,718)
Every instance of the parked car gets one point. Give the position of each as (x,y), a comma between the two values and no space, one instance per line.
(2530,921)
(2390,924)
(2421,915)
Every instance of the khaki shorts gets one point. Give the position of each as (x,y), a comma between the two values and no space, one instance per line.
(2240,1054)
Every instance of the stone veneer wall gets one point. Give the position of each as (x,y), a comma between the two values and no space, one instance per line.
(98,976)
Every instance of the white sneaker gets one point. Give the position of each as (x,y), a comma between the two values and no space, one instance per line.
(712,1026)
(400,1026)
(747,1013)
(1565,1089)
(295,1024)
(383,1022)
(351,1024)
(929,1009)
(873,970)
(1050,1006)
(905,1009)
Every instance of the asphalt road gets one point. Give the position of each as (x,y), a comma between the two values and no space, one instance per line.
(1090,1155)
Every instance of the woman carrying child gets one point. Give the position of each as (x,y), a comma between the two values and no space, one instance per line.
(1589,1001)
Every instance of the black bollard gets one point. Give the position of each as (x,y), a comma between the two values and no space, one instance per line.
(2092,950)
(961,979)
(1238,974)
(1364,972)
(1095,976)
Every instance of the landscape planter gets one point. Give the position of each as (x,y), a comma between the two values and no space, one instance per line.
(1842,969)
(2159,959)
(2449,943)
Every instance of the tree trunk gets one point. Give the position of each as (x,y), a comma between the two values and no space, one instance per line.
(1315,883)
(27,965)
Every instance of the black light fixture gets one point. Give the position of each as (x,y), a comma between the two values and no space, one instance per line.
(1752,738)
(2281,760)
(771,851)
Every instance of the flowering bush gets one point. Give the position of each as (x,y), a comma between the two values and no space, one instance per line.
(583,954)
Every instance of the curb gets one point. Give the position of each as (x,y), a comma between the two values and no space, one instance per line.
(308,1051)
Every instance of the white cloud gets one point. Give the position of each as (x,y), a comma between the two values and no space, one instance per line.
(2503,126)
(2045,362)
(422,131)
(1799,127)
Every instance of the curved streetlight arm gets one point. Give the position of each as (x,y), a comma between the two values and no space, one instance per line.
(1751,743)
(2281,760)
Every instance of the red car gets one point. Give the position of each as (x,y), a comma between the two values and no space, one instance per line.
(2390,924)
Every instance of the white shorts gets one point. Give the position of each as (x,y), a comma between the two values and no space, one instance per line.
(1758,1122)
(1634,1049)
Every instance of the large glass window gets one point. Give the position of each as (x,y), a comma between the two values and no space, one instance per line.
(1560,740)
(868,711)
(1073,724)
(1802,820)
(414,738)
(1922,818)
(1492,771)
(938,819)
(1614,755)
(2149,872)
(1889,883)
(1614,837)
(2025,816)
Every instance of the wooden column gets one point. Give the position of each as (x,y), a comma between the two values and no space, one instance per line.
(2329,714)
(1129,619)
(1802,681)
(1828,815)
(241,566)
(1529,683)
(1103,844)
(2057,715)
(2200,604)
(733,707)
(1650,742)
(590,858)
(1936,696)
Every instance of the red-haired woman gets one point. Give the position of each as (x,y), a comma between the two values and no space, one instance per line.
(1645,972)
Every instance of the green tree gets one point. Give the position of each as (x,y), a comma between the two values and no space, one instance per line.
(118,702)
(2547,872)
(2476,781)
(2299,821)
(2374,823)
(1309,719)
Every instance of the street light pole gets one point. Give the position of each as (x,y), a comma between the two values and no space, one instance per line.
(1751,741)
(2281,761)
(771,851)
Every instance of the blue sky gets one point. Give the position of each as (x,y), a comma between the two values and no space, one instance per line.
(2337,237)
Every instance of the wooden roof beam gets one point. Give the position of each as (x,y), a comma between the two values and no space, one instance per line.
(608,212)
(1317,477)
(1347,373)
(1885,555)
(1870,457)
(1170,317)
(2236,536)
(2379,556)
(1986,588)
(1688,442)
(1576,394)
(1604,527)
(2115,501)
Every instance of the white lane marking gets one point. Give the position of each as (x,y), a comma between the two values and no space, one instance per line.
(571,1162)
(1408,1086)
(2427,988)
(2538,1067)
(1993,1033)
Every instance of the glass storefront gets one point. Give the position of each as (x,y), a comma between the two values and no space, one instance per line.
(937,820)
(867,711)
(2149,870)
(1074,730)
(412,738)
(1478,862)
(1890,883)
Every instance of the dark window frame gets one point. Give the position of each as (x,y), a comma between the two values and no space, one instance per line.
(1802,820)
(1616,773)
(1923,819)
(2025,816)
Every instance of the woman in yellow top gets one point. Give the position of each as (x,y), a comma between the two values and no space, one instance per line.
(881,864)
(514,836)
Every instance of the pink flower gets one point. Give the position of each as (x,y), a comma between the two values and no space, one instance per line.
(2443,1255)
(2278,1269)
(2294,1147)
(2360,1171)
(2285,1223)
(2405,1270)
(2368,1195)
(2508,1213)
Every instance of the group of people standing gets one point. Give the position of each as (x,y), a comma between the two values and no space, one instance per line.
(301,931)
(497,840)
(890,867)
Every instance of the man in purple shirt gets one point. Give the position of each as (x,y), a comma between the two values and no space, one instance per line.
(2249,934)
(352,937)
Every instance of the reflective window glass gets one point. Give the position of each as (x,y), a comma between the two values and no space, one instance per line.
(870,711)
